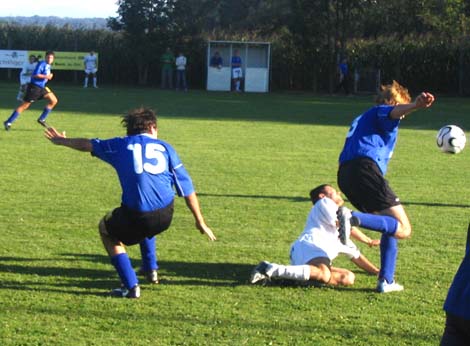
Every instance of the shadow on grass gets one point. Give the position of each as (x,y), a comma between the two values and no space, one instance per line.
(32,274)
(306,199)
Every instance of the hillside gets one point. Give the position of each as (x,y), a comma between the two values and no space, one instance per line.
(76,23)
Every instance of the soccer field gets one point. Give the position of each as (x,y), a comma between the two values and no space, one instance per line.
(253,159)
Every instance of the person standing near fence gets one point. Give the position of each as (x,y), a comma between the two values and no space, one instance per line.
(167,61)
(180,63)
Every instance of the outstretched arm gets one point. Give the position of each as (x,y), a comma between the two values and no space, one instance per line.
(193,204)
(364,263)
(424,100)
(81,144)
(358,235)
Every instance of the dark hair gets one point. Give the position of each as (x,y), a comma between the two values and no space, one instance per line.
(50,52)
(315,193)
(139,120)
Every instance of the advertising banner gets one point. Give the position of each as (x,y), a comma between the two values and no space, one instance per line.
(63,60)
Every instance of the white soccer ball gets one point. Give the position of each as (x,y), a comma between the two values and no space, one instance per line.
(451,139)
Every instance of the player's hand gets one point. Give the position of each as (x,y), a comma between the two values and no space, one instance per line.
(53,135)
(50,76)
(424,100)
(204,229)
(374,242)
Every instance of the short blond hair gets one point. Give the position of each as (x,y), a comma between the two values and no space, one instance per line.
(393,94)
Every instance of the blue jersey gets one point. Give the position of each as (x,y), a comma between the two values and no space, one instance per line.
(343,67)
(458,298)
(236,61)
(41,68)
(373,134)
(148,169)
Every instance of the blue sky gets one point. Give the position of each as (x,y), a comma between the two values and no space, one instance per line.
(59,8)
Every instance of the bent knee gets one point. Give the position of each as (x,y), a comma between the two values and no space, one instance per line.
(403,232)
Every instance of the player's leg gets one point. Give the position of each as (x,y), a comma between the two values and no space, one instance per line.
(16,113)
(52,102)
(95,79)
(21,92)
(85,80)
(148,251)
(341,276)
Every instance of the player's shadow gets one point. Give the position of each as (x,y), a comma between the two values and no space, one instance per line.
(306,199)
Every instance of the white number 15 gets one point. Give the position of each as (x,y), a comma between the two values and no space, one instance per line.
(152,154)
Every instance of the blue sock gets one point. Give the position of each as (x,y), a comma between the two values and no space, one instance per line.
(380,223)
(44,114)
(123,266)
(388,257)
(148,250)
(13,117)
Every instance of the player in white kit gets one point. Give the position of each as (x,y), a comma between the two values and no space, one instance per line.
(25,76)
(90,63)
(318,245)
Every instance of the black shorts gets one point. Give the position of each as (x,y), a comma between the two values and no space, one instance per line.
(456,332)
(364,185)
(131,227)
(35,93)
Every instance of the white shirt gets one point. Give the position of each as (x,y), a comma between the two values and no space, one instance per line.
(180,62)
(26,72)
(90,61)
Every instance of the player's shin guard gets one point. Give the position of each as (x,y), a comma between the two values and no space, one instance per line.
(12,117)
(299,272)
(123,266)
(44,114)
(148,250)
(388,257)
(380,223)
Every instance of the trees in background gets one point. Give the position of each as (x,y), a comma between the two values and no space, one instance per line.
(422,43)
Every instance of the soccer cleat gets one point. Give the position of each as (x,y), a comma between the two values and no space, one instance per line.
(259,273)
(384,287)
(7,126)
(344,219)
(42,123)
(123,292)
(151,276)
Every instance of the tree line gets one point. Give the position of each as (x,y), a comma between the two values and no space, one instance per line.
(422,43)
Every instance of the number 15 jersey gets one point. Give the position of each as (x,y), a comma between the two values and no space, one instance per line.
(148,169)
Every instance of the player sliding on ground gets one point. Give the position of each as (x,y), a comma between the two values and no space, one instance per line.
(148,169)
(363,163)
(319,244)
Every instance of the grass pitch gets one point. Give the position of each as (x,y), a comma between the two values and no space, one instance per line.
(253,159)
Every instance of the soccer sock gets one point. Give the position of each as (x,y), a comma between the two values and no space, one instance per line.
(85,84)
(44,114)
(94,82)
(388,257)
(148,250)
(299,272)
(13,117)
(380,223)
(237,85)
(123,266)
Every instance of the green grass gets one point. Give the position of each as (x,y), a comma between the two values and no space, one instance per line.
(253,158)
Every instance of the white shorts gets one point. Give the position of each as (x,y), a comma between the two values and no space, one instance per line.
(237,72)
(303,251)
(91,70)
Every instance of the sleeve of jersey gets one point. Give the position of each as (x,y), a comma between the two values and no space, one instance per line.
(383,115)
(183,183)
(103,149)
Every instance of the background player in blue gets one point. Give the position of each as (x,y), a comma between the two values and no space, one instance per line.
(363,163)
(237,72)
(457,305)
(148,170)
(37,90)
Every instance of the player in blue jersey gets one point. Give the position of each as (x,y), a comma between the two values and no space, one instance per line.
(148,170)
(363,163)
(237,71)
(37,90)
(457,305)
